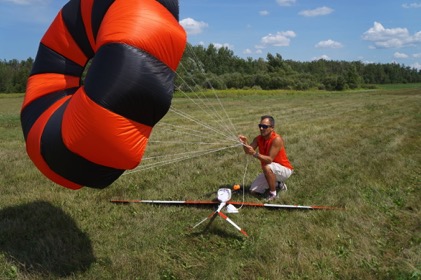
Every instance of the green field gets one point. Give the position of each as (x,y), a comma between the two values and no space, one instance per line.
(360,150)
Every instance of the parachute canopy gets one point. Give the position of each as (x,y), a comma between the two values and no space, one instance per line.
(88,135)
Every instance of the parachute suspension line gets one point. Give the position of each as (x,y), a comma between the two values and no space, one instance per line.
(184,156)
(186,142)
(213,130)
(180,130)
(209,132)
(244,180)
(198,122)
(199,65)
(211,111)
(229,129)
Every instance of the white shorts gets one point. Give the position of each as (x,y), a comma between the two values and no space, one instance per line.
(282,173)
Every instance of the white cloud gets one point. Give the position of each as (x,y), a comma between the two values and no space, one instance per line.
(27,2)
(411,5)
(224,45)
(263,13)
(417,55)
(390,37)
(416,65)
(400,55)
(325,57)
(322,11)
(368,62)
(329,44)
(193,27)
(247,51)
(27,11)
(285,2)
(280,39)
(18,2)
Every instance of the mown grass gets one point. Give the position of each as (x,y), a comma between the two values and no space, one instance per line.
(359,150)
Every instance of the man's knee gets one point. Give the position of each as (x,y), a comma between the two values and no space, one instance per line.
(266,169)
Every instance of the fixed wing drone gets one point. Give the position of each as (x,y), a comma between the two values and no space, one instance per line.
(223,201)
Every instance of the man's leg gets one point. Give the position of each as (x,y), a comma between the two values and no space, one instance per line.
(282,173)
(270,177)
(259,185)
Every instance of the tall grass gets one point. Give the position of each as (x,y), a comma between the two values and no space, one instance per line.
(358,150)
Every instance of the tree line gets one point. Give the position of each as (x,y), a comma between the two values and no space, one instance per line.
(218,68)
(14,74)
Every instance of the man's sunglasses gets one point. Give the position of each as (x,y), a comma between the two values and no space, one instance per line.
(264,126)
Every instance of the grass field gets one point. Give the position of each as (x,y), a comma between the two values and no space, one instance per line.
(359,150)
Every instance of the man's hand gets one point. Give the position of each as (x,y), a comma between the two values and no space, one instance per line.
(246,147)
(243,139)
(249,150)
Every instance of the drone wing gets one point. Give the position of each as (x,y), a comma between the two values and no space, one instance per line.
(235,203)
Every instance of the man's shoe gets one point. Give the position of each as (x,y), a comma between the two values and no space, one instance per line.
(281,187)
(271,197)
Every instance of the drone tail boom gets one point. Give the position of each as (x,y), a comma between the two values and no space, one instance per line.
(284,206)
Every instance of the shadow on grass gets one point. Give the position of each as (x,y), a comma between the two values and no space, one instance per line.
(39,237)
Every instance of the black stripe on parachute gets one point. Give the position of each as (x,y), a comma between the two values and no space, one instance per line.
(73,20)
(69,165)
(126,81)
(49,61)
(172,7)
(99,10)
(34,110)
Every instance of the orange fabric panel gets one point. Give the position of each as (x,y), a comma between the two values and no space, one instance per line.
(101,136)
(86,10)
(59,39)
(43,84)
(155,29)
(33,148)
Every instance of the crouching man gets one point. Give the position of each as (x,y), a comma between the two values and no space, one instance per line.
(268,147)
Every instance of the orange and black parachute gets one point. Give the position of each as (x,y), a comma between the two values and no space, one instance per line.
(88,135)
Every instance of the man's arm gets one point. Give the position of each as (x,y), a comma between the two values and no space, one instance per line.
(276,146)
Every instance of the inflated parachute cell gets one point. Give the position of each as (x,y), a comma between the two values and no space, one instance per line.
(88,135)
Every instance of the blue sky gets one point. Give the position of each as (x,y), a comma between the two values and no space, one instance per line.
(372,31)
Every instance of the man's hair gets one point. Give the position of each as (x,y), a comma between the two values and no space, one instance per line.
(271,119)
